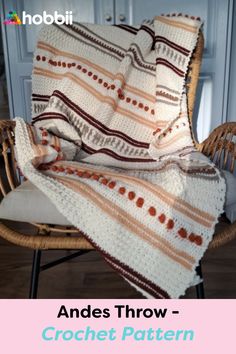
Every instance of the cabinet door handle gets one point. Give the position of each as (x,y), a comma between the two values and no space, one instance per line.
(122,17)
(108,17)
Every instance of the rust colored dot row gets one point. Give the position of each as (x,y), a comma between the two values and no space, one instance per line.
(121,95)
(180,14)
(131,195)
(191,237)
(197,239)
(84,174)
(158,130)
(162,218)
(45,142)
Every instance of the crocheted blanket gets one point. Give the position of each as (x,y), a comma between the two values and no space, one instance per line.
(110,145)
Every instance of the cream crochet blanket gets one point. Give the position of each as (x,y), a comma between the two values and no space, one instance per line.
(110,145)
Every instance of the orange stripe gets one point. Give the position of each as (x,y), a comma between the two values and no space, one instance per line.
(109,100)
(160,193)
(132,89)
(105,72)
(177,24)
(39,150)
(161,123)
(56,141)
(128,221)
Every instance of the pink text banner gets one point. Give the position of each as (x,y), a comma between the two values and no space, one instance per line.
(117,326)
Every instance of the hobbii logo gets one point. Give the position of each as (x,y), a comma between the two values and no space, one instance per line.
(37,19)
(47,18)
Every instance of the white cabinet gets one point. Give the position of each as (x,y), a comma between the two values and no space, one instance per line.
(211,105)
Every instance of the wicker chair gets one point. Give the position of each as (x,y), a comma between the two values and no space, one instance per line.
(219,147)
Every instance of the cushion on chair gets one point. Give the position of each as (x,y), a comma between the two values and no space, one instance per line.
(230,200)
(28,204)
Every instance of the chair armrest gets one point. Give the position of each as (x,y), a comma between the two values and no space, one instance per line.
(9,177)
(7,123)
(220,146)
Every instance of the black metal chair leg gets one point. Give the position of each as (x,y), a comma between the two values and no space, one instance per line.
(200,287)
(35,274)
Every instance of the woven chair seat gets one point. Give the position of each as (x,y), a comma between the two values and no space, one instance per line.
(27,203)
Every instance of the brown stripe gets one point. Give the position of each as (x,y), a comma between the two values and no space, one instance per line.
(173,45)
(34,120)
(52,115)
(95,36)
(167,103)
(40,99)
(38,95)
(189,149)
(80,111)
(167,96)
(161,61)
(138,51)
(140,61)
(115,57)
(135,29)
(146,71)
(149,31)
(139,280)
(98,125)
(102,98)
(168,89)
(114,155)
(127,28)
(130,273)
(93,45)
(96,39)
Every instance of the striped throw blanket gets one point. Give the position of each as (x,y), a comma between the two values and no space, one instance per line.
(110,145)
